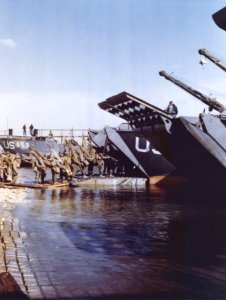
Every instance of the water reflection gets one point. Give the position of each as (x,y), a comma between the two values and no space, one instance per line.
(146,240)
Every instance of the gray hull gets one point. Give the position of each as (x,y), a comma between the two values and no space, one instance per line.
(21,144)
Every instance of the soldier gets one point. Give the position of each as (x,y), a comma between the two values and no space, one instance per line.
(84,145)
(24,130)
(8,160)
(50,133)
(76,164)
(35,168)
(15,168)
(110,164)
(44,164)
(55,166)
(2,167)
(172,109)
(31,129)
(88,155)
(61,167)
(66,162)
(41,164)
(100,161)
(75,161)
(92,162)
(83,162)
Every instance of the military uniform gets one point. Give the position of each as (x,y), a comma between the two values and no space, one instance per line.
(9,158)
(100,163)
(35,168)
(66,162)
(92,162)
(15,168)
(39,166)
(109,165)
(83,162)
(55,166)
(76,165)
(2,168)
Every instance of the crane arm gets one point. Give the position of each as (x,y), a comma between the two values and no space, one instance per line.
(211,102)
(212,58)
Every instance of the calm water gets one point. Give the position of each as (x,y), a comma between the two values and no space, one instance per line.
(162,243)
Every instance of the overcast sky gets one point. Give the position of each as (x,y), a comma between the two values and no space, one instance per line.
(60,58)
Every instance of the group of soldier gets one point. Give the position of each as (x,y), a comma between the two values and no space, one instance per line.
(9,167)
(74,161)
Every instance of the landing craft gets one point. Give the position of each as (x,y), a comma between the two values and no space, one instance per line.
(196,146)
(21,145)
(137,154)
(44,143)
(191,144)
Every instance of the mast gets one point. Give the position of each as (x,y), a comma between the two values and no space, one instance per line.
(211,102)
(212,58)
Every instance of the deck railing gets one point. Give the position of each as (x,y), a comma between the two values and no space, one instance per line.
(57,134)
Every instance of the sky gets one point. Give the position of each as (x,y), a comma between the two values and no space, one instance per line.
(60,58)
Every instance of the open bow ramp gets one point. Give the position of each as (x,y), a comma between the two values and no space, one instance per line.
(134,110)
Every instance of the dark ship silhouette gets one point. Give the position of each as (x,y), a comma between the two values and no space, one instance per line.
(135,154)
(196,146)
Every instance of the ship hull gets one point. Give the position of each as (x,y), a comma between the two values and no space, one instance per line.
(152,161)
(193,152)
(21,144)
(137,154)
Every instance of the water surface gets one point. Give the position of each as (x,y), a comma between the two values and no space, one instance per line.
(162,243)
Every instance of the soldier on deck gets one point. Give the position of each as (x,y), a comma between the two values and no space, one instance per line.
(31,129)
(24,130)
(172,109)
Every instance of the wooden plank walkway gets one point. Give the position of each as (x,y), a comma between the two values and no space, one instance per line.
(33,185)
